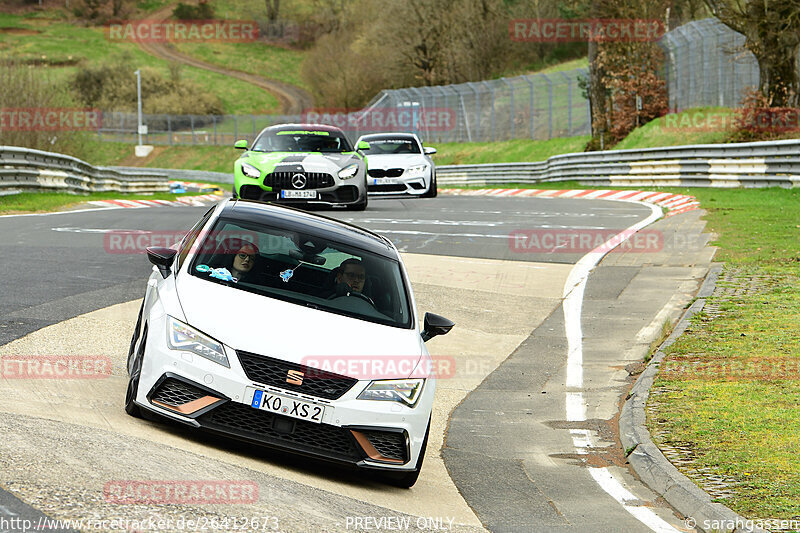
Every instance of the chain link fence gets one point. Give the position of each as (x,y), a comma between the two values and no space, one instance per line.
(706,64)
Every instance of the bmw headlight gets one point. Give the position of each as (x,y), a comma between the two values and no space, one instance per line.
(250,171)
(416,171)
(405,391)
(349,171)
(181,336)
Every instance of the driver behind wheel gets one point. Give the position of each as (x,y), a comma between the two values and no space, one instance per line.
(353,273)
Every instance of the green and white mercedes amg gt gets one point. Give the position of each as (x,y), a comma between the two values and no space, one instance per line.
(302,164)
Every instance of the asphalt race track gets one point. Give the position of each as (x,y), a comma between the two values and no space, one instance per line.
(503,455)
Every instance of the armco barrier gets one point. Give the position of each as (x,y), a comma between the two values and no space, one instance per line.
(760,164)
(27,169)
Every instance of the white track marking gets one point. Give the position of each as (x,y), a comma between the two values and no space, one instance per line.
(576,407)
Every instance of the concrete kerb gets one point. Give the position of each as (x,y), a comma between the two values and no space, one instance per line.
(646,459)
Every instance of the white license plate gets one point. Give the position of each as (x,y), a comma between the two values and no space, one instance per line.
(299,194)
(286,406)
(384,181)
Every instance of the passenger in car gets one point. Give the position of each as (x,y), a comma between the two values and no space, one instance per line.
(244,260)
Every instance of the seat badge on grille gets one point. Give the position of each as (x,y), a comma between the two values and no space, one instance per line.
(294,377)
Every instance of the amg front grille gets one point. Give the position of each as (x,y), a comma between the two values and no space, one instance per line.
(313,180)
(176,393)
(318,439)
(275,373)
(385,172)
(390,444)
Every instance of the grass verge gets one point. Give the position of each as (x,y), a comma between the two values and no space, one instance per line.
(42,202)
(728,393)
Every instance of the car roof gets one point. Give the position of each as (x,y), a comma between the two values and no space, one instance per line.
(300,127)
(291,219)
(398,135)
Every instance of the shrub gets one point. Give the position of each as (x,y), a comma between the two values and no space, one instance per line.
(202,11)
(757,120)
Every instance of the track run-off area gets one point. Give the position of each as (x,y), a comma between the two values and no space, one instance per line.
(523,436)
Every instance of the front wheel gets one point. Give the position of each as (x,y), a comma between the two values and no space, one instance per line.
(361,206)
(133,381)
(432,190)
(407,480)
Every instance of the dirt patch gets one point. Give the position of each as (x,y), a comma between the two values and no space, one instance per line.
(19,31)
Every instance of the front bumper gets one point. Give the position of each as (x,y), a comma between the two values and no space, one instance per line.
(195,391)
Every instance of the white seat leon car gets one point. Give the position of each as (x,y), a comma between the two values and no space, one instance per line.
(288,329)
(398,164)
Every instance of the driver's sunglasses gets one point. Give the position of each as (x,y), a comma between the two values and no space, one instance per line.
(355,276)
(244,256)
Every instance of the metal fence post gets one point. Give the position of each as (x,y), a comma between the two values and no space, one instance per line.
(491,95)
(569,104)
(215,130)
(477,135)
(511,113)
(194,138)
(254,126)
(549,106)
(530,104)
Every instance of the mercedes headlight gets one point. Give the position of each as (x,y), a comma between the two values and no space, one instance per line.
(182,337)
(416,172)
(250,171)
(349,171)
(405,391)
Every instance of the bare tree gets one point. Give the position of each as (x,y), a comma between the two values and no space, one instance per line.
(273,8)
(772,32)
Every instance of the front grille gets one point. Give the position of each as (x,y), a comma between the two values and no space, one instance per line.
(385,172)
(319,439)
(390,444)
(274,372)
(387,188)
(283,180)
(176,393)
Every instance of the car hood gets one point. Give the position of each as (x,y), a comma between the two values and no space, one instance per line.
(306,161)
(274,328)
(395,160)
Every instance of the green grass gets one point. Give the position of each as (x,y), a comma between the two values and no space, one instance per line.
(40,202)
(672,130)
(505,151)
(731,384)
(61,42)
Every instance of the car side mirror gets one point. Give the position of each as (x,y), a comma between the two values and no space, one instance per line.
(241,144)
(363,145)
(436,325)
(162,258)
(429,150)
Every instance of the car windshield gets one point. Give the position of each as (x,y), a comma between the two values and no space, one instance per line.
(392,146)
(304,269)
(302,141)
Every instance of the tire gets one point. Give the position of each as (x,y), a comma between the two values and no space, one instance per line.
(432,191)
(361,206)
(406,480)
(133,381)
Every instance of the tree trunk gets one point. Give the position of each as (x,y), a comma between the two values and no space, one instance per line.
(597,93)
(273,8)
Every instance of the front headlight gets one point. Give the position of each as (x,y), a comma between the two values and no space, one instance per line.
(405,391)
(416,172)
(250,171)
(349,171)
(181,336)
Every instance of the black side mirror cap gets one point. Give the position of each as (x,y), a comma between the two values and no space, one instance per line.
(436,325)
(162,258)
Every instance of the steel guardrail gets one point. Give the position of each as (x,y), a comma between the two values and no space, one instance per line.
(758,164)
(28,169)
